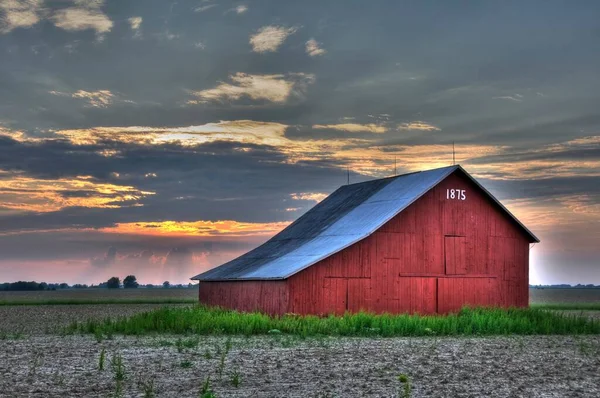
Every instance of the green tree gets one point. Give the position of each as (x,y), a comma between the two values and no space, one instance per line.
(113,283)
(130,282)
(166,284)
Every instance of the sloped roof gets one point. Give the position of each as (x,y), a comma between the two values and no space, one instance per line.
(348,215)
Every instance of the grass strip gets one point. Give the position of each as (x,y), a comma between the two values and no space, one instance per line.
(216,321)
(99,301)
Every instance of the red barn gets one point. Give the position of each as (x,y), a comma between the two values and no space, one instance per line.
(426,242)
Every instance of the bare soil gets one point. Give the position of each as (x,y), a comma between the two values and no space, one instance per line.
(102,294)
(279,366)
(559,296)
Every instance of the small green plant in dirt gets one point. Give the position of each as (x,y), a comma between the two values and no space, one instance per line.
(118,369)
(98,335)
(102,359)
(192,342)
(585,348)
(405,388)
(221,368)
(235,379)
(147,387)
(58,379)
(205,390)
(12,336)
(186,364)
(36,361)
(207,354)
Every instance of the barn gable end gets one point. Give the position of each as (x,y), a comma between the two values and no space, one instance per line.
(437,255)
(453,244)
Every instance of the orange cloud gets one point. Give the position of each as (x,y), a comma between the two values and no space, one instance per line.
(418,125)
(37,195)
(224,228)
(314,196)
(353,127)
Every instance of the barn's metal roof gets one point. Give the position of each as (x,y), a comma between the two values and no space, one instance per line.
(348,215)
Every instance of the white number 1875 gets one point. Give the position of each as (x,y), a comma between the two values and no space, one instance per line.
(458,194)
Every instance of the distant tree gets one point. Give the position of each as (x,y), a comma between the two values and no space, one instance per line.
(113,283)
(63,286)
(130,282)
(166,284)
(150,286)
(79,286)
(24,286)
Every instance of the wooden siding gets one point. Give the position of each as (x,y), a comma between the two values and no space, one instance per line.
(270,297)
(435,256)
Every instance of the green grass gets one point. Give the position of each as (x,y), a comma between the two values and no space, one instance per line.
(568,306)
(99,301)
(469,321)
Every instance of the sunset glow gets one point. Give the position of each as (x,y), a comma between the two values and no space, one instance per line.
(201,129)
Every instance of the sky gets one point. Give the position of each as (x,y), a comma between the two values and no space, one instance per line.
(162,138)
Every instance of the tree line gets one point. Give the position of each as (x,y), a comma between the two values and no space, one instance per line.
(129,282)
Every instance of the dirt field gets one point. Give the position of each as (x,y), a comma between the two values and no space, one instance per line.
(552,296)
(44,319)
(283,367)
(37,361)
(101,294)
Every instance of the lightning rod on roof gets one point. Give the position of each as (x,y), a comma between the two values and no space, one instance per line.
(348,175)
(395,168)
(453,158)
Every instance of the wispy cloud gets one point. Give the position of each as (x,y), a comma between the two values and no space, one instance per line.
(243,131)
(97,99)
(86,14)
(273,88)
(353,127)
(312,196)
(204,8)
(418,125)
(515,98)
(19,14)
(313,48)
(241,9)
(567,159)
(270,38)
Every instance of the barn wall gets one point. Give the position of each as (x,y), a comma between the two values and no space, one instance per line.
(436,256)
(270,297)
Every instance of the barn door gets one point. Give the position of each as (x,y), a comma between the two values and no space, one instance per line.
(336,295)
(359,294)
(455,255)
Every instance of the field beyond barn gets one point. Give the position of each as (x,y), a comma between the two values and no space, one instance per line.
(40,359)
